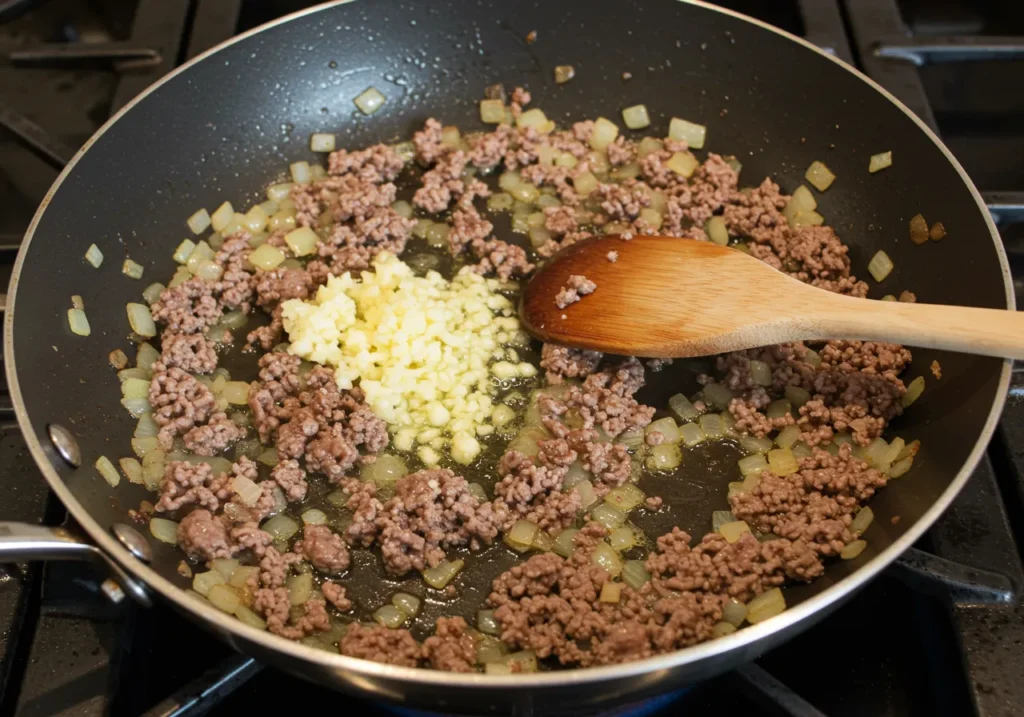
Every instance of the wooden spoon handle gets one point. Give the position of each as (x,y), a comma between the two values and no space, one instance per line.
(989,332)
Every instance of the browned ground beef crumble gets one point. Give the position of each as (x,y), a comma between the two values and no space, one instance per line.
(548,604)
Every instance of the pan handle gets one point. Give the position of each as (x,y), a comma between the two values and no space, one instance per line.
(20,542)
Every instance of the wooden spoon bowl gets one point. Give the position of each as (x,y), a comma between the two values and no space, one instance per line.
(667,297)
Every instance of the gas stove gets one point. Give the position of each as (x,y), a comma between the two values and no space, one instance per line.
(940,633)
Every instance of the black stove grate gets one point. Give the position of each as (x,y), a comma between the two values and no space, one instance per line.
(945,627)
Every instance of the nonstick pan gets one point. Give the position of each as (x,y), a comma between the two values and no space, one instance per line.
(222,125)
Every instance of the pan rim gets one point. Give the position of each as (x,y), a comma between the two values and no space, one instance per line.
(737,642)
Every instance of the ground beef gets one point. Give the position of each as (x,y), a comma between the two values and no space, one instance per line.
(606,399)
(428,142)
(275,606)
(498,257)
(214,437)
(653,502)
(936,369)
(282,284)
(622,202)
(185,484)
(562,363)
(236,285)
(203,537)
(192,353)
(335,595)
(621,151)
(179,402)
(189,307)
(324,549)
(560,220)
(377,164)
(381,644)
(443,183)
(488,149)
(575,288)
(433,510)
(613,256)
(452,647)
(467,227)
(291,479)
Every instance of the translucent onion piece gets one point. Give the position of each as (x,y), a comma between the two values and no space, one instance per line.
(409,604)
(665,457)
(132,469)
(717,396)
(199,222)
(879,161)
(438,577)
(164,530)
(520,536)
(135,388)
(720,518)
(94,256)
(632,438)
(77,303)
(269,457)
(682,407)
(184,251)
(610,592)
(142,446)
(525,660)
(767,604)
(131,269)
(852,550)
(141,320)
(301,241)
(622,538)
(717,231)
(479,491)
(788,436)
(797,396)
(865,516)
(153,468)
(801,450)
(321,142)
(880,266)
(152,292)
(649,145)
(490,650)
(222,216)
(564,73)
(277,192)
(605,557)
(626,497)
(636,117)
(300,588)
(778,409)
(563,544)
(666,427)
(107,470)
(753,465)
(782,462)
(819,176)
(248,617)
(711,425)
(385,470)
(635,574)
(683,164)
(900,467)
(390,616)
(605,132)
(202,583)
(78,322)
(734,531)
(224,598)
(914,390)
(281,527)
(225,566)
(721,629)
(242,574)
(585,183)
(760,373)
(587,495)
(693,134)
(492,111)
(370,101)
(314,516)
(136,406)
(691,434)
(734,612)
(487,623)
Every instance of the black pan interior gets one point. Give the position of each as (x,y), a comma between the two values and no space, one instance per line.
(223,127)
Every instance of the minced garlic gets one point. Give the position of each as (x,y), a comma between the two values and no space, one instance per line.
(422,349)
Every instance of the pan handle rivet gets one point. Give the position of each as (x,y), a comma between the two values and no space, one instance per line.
(133,540)
(66,444)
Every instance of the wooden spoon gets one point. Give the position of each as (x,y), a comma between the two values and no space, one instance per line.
(667,297)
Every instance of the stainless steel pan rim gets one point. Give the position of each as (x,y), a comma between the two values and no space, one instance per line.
(742,641)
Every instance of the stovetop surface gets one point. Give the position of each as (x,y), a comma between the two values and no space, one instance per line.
(899,648)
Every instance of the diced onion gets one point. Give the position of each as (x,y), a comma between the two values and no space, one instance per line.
(633,438)
(152,467)
(879,161)
(525,660)
(666,427)
(721,629)
(610,592)
(564,73)
(224,598)
(132,469)
(635,574)
(492,111)
(314,516)
(717,231)
(880,266)
(385,470)
(693,134)
(370,101)
(199,222)
(914,390)
(78,322)
(587,495)
(606,558)
(225,566)
(107,470)
(269,457)
(682,407)
(390,616)
(782,462)
(636,117)
(184,251)
(152,292)
(753,465)
(664,457)
(142,446)
(717,396)
(760,373)
(711,425)
(862,520)
(438,577)
(408,604)
(202,583)
(281,527)
(720,518)
(321,142)
(491,651)
(301,241)
(221,216)
(266,257)
(585,183)
(626,497)
(487,623)
(788,436)
(734,531)
(605,132)
(608,515)
(691,434)
(768,604)
(118,359)
(900,467)
(734,612)
(76,302)
(141,320)
(131,269)
(563,544)
(683,164)
(797,396)
(622,538)
(165,531)
(277,192)
(250,618)
(94,256)
(852,550)
(300,588)
(520,536)
(248,491)
(819,176)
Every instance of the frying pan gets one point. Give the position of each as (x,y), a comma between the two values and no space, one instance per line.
(222,125)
